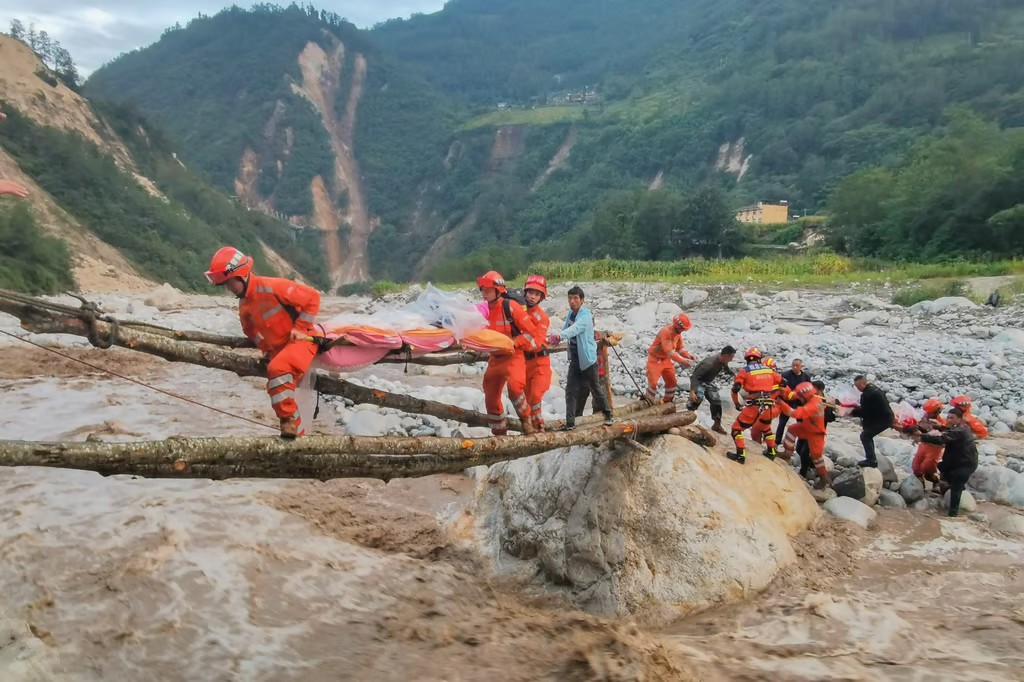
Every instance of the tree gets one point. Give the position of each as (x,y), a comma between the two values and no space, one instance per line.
(46,47)
(707,224)
(17,29)
(65,67)
(31,38)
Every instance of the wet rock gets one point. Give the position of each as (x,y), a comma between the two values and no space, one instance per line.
(889,499)
(911,489)
(921,505)
(849,509)
(872,485)
(603,528)
(823,496)
(1010,523)
(849,483)
(967,501)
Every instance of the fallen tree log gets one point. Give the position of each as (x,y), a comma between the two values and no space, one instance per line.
(314,457)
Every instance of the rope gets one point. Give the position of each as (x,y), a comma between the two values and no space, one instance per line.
(631,377)
(136,381)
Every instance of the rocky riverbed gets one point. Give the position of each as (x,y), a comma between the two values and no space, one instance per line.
(586,558)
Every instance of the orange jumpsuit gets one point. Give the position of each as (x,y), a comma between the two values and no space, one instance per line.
(810,428)
(926,459)
(507,369)
(977,427)
(759,382)
(666,349)
(269,310)
(538,366)
(759,429)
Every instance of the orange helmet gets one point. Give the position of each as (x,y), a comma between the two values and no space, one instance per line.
(493,280)
(681,322)
(769,362)
(961,401)
(228,262)
(932,406)
(805,390)
(537,283)
(752,354)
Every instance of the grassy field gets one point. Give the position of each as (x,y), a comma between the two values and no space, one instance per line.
(541,116)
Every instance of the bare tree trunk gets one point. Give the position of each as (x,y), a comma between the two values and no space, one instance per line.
(315,457)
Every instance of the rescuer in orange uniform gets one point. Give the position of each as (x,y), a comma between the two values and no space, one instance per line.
(277,315)
(926,459)
(538,362)
(779,390)
(667,349)
(507,317)
(758,381)
(977,427)
(810,428)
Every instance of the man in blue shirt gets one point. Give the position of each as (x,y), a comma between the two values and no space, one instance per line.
(583,377)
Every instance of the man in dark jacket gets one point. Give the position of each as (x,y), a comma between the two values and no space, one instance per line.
(793,377)
(702,384)
(875,416)
(960,458)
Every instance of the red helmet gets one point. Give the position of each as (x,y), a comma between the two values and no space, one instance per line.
(493,280)
(961,401)
(228,262)
(537,283)
(805,390)
(932,406)
(681,322)
(769,362)
(752,354)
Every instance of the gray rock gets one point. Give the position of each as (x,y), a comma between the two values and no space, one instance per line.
(823,496)
(1010,523)
(1000,428)
(1018,425)
(888,498)
(739,324)
(849,509)
(872,485)
(667,310)
(911,489)
(1011,337)
(690,298)
(887,470)
(1007,416)
(643,316)
(947,303)
(790,296)
(989,381)
(792,329)
(849,483)
(850,324)
(921,505)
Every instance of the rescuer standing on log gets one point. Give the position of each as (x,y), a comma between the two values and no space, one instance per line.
(538,362)
(667,349)
(277,315)
(507,317)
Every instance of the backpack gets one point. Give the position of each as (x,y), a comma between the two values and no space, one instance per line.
(519,296)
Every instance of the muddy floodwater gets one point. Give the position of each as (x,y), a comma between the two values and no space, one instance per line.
(124,579)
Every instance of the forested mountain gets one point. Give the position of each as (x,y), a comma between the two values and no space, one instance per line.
(109,205)
(734,101)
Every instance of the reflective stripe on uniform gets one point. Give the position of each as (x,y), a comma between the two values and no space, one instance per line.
(280,381)
(273,311)
(536,408)
(495,417)
(306,317)
(262,289)
(282,396)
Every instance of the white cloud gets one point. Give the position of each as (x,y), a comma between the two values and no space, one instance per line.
(95,32)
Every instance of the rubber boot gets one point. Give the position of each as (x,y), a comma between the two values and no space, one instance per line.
(737,457)
(770,453)
(717,427)
(289,428)
(608,419)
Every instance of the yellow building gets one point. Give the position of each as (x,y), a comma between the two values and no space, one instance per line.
(764,212)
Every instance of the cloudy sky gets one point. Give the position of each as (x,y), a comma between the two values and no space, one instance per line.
(96,31)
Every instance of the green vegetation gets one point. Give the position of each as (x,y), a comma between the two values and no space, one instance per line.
(29,260)
(170,239)
(541,116)
(929,292)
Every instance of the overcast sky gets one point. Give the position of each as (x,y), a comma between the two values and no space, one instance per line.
(96,31)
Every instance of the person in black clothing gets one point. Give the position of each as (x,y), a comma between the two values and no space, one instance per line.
(875,416)
(793,377)
(803,448)
(702,384)
(960,458)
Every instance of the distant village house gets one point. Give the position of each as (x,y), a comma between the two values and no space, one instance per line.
(764,212)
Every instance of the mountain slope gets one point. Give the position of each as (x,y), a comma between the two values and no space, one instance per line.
(107,184)
(322,128)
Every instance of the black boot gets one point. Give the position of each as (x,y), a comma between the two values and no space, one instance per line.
(737,457)
(864,463)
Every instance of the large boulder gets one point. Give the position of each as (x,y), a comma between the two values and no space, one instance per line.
(643,316)
(888,498)
(967,502)
(1010,337)
(166,297)
(850,324)
(792,328)
(941,305)
(860,484)
(653,536)
(873,483)
(1000,484)
(887,469)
